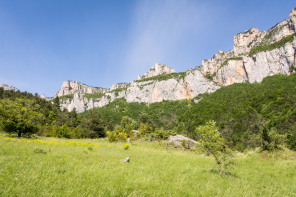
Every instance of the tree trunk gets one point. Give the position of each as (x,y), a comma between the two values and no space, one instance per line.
(19,134)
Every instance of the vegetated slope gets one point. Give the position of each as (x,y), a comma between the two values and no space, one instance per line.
(160,115)
(24,114)
(243,111)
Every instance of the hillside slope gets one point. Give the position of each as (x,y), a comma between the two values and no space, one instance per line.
(242,111)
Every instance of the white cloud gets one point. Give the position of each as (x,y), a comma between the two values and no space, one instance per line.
(158,28)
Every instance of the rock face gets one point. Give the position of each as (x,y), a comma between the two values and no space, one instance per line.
(224,68)
(8,87)
(119,85)
(232,72)
(243,42)
(188,86)
(157,69)
(72,87)
(211,66)
(237,66)
(277,61)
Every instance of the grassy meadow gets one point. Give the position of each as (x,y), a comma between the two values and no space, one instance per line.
(59,167)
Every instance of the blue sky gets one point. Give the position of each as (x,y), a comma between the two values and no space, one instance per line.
(100,43)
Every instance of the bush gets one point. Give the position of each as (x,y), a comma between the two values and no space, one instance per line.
(116,136)
(126,146)
(160,134)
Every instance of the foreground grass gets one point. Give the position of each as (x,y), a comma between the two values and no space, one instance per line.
(65,169)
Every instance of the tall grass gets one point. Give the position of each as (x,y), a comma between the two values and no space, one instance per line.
(76,170)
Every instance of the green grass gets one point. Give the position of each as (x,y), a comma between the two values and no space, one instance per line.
(153,171)
(272,46)
(163,77)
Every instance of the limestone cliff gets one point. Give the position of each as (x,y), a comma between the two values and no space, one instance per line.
(72,87)
(180,86)
(255,55)
(157,69)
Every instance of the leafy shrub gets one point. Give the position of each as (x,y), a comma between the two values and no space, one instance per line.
(211,77)
(160,134)
(116,136)
(126,146)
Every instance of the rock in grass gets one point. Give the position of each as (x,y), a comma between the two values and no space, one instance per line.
(181,141)
(127,160)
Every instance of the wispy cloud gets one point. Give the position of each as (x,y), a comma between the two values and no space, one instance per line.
(159,28)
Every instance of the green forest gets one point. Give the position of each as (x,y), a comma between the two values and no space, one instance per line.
(247,115)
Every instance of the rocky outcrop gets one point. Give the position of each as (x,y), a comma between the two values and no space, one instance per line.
(8,87)
(119,86)
(243,42)
(232,72)
(237,66)
(182,141)
(157,69)
(72,87)
(254,69)
(211,66)
(277,61)
(187,86)
(190,86)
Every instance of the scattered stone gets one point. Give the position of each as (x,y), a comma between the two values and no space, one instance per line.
(127,160)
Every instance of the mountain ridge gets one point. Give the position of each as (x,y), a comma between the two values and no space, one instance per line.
(162,82)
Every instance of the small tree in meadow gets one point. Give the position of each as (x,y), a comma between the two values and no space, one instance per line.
(212,142)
